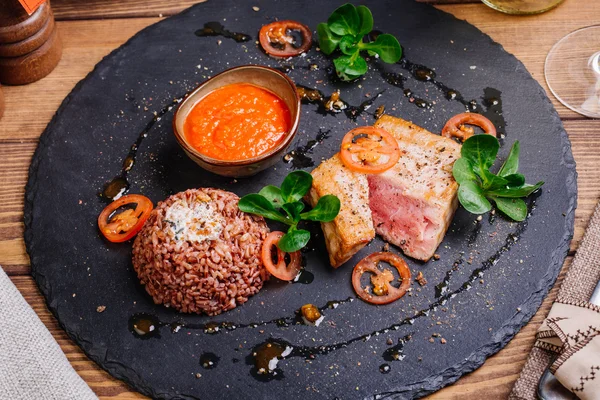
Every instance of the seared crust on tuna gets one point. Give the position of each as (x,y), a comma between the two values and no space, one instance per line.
(352,229)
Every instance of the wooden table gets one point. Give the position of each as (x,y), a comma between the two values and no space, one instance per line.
(92,29)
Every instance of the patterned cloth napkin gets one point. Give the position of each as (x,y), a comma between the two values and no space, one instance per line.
(32,365)
(570,335)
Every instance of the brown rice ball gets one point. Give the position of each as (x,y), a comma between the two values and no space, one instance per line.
(198,253)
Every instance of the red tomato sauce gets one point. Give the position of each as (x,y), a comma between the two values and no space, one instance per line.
(237,122)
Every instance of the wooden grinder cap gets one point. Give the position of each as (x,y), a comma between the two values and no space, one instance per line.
(17,25)
(30,47)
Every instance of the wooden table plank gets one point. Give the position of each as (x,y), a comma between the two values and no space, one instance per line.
(100,9)
(85,43)
(530,38)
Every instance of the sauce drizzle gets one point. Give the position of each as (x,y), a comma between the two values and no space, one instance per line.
(299,158)
(119,185)
(256,359)
(215,28)
(144,325)
(334,104)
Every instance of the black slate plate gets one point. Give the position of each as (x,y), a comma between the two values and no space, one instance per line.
(508,267)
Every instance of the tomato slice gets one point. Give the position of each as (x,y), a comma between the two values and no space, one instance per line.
(121,226)
(276,38)
(382,292)
(369,150)
(455,127)
(280,270)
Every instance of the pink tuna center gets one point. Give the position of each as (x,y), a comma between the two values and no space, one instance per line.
(399,218)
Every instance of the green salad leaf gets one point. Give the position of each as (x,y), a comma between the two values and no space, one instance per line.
(344,30)
(295,186)
(471,196)
(328,41)
(515,208)
(366,20)
(284,204)
(386,46)
(463,172)
(511,165)
(294,240)
(344,20)
(478,185)
(259,205)
(273,194)
(294,209)
(349,67)
(326,209)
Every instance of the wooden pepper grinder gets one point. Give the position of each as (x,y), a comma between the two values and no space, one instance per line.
(30,46)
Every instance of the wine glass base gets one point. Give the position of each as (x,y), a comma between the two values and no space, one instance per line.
(572,71)
(522,7)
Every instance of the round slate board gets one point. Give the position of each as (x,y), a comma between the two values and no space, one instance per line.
(491,276)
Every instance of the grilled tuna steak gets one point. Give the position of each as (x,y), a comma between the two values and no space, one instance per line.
(410,205)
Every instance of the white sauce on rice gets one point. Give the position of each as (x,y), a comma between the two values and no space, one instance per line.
(195,222)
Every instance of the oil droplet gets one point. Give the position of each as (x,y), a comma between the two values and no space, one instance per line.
(209,360)
(422,103)
(265,358)
(424,74)
(176,326)
(394,79)
(452,94)
(144,326)
(211,328)
(354,112)
(396,353)
(282,323)
(286,68)
(115,188)
(472,106)
(309,95)
(380,111)
(311,315)
(304,277)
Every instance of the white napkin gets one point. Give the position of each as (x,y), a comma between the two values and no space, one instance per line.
(572,331)
(32,365)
